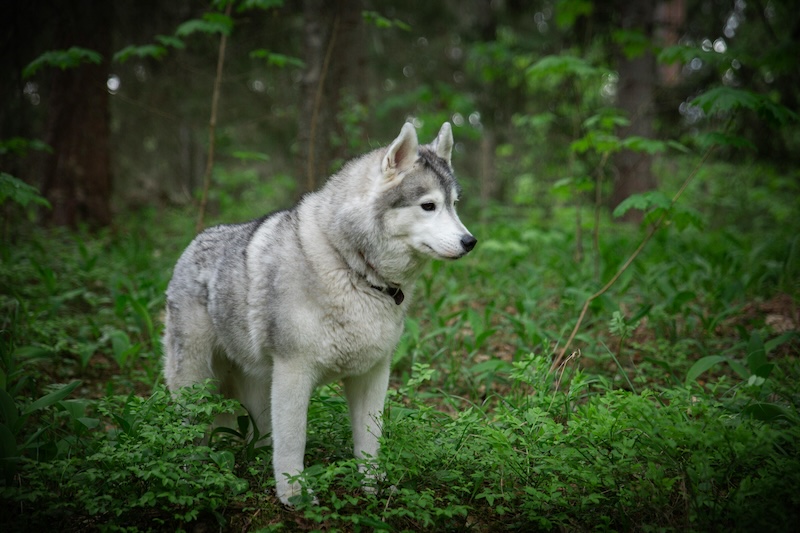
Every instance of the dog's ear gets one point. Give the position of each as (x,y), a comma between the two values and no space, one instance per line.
(402,153)
(443,143)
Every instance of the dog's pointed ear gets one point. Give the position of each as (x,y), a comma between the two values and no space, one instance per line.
(443,143)
(403,151)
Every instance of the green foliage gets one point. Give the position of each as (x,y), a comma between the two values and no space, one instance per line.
(379,21)
(569,11)
(277,60)
(155,51)
(726,100)
(62,59)
(19,146)
(146,460)
(476,435)
(19,192)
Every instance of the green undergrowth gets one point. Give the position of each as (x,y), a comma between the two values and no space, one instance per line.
(676,408)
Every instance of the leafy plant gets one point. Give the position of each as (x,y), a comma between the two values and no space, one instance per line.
(62,59)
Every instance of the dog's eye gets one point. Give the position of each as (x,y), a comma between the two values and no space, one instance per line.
(428,206)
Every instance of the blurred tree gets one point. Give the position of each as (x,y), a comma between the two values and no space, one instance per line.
(77,176)
(334,57)
(636,70)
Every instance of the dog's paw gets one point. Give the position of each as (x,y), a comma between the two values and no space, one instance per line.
(293,494)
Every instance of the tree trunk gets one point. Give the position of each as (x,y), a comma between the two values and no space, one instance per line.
(637,77)
(333,55)
(77,179)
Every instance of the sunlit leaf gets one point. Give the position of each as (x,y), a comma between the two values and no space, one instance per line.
(250,156)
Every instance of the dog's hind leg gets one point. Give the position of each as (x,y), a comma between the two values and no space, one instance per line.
(188,345)
(254,391)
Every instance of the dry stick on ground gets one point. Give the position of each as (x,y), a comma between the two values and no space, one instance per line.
(634,255)
(212,126)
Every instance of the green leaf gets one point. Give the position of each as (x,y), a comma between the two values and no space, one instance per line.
(250,156)
(599,141)
(685,54)
(766,412)
(684,216)
(19,192)
(379,21)
(568,11)
(63,59)
(211,23)
(780,339)
(707,140)
(247,5)
(223,459)
(756,356)
(725,100)
(634,43)
(563,65)
(643,201)
(149,50)
(277,60)
(642,144)
(8,444)
(20,146)
(702,365)
(171,40)
(49,399)
(8,408)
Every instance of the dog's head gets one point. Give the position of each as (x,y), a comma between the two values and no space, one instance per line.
(419,194)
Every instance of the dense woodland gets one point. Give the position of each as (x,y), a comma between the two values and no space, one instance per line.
(620,351)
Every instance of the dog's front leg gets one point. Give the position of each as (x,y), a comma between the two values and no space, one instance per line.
(366,395)
(291,392)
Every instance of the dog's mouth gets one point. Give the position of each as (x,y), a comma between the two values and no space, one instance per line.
(429,250)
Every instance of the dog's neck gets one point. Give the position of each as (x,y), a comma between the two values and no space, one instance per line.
(391,289)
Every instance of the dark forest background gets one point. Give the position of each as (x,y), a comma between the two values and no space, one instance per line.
(130,128)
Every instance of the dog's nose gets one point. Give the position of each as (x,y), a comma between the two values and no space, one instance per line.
(468,242)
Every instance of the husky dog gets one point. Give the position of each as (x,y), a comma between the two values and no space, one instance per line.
(272,308)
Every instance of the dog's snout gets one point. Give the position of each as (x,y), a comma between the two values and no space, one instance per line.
(468,242)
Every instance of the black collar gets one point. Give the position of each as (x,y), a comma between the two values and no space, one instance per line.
(394,292)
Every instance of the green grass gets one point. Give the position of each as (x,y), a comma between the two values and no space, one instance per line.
(678,409)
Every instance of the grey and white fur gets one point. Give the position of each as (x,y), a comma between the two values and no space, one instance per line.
(274,307)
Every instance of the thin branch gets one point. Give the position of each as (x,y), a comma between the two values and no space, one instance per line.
(655,227)
(212,126)
(598,197)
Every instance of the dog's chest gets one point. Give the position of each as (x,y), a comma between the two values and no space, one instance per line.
(354,342)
